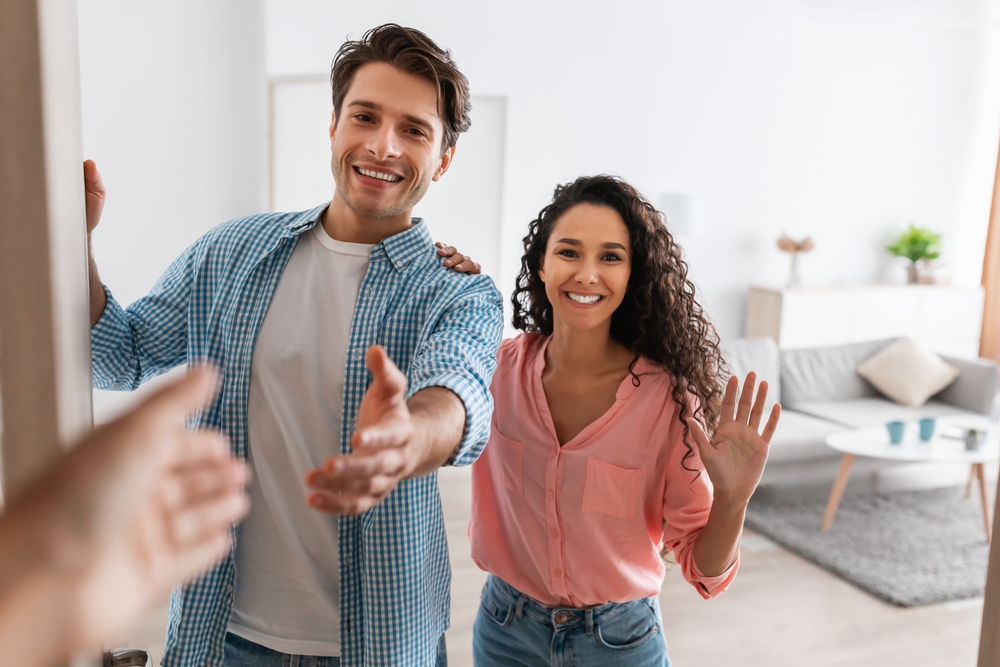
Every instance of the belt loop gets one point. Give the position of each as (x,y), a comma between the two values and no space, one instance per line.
(520,605)
(588,619)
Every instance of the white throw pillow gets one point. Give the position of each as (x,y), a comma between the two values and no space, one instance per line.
(907,373)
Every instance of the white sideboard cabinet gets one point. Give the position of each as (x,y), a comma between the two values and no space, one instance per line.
(945,319)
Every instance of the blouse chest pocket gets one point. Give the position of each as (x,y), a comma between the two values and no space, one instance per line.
(507,456)
(611,490)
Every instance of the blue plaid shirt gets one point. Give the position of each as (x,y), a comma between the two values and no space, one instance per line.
(441,328)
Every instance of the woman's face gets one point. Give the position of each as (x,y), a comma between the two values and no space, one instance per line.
(586,267)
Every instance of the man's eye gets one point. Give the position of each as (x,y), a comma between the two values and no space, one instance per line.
(414,131)
(363,117)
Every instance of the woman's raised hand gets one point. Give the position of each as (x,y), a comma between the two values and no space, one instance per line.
(453,259)
(734,458)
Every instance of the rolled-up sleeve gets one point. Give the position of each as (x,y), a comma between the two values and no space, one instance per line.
(131,345)
(461,355)
(687,504)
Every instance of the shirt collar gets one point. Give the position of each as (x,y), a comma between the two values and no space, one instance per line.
(401,248)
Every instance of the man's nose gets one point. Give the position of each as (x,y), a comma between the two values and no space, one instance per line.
(384,144)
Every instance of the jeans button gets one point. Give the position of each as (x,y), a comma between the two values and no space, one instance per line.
(562,618)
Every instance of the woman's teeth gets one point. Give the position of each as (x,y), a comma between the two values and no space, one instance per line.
(579,298)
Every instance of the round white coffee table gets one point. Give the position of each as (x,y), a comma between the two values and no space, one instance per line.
(874,443)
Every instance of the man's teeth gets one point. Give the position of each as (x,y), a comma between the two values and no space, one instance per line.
(376,174)
(579,298)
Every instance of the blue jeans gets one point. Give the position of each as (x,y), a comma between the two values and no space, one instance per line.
(513,630)
(245,653)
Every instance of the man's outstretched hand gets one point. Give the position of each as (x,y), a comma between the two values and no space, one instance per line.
(385,449)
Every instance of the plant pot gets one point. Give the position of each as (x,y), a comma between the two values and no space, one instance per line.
(912,275)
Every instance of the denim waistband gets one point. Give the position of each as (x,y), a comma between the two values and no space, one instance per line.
(559,617)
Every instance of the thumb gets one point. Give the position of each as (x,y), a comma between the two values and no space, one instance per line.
(700,438)
(387,379)
(185,396)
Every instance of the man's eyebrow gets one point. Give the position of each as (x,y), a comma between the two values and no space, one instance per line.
(375,106)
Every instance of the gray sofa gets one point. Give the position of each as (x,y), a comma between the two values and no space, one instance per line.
(821,393)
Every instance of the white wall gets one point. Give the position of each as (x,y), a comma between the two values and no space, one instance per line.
(174,114)
(839,120)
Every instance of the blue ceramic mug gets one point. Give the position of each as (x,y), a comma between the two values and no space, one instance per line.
(896,431)
(927,428)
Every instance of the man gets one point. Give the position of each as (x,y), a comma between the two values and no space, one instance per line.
(293,307)
(139,504)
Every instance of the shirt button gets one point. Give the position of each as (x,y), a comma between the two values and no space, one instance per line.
(557,572)
(229,588)
(552,494)
(554,533)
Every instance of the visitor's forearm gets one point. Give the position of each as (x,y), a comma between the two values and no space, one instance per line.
(439,423)
(718,543)
(98,299)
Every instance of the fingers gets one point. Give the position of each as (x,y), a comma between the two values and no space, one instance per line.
(746,398)
(758,406)
(729,400)
(202,498)
(453,259)
(387,380)
(772,423)
(92,181)
(353,484)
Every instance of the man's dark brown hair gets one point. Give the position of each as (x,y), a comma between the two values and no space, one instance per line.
(412,52)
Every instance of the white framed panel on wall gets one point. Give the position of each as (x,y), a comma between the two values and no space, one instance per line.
(463,208)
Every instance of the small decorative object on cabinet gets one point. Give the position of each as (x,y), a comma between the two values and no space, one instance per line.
(789,245)
(921,246)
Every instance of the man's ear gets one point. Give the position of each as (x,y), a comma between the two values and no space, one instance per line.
(333,127)
(445,162)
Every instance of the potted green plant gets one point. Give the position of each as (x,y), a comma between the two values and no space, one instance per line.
(916,244)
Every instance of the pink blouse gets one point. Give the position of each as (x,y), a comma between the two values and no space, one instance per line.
(583,524)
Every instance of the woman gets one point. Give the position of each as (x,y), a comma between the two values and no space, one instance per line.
(598,461)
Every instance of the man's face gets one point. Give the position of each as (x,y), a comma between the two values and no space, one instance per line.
(387,142)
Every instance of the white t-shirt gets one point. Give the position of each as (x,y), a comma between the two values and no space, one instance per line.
(287,594)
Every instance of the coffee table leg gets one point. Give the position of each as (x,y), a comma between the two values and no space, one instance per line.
(981,476)
(972,479)
(837,492)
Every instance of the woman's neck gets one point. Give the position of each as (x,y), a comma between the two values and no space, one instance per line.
(590,351)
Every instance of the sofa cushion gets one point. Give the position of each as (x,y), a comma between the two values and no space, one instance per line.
(867,412)
(759,355)
(800,437)
(907,373)
(826,373)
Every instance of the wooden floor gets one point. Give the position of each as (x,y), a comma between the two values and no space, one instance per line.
(780,611)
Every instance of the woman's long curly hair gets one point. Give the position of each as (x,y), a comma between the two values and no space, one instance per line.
(659,317)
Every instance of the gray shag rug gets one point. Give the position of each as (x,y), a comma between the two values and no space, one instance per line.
(909,548)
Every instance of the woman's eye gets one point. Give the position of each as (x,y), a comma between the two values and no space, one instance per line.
(612,257)
(567,253)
